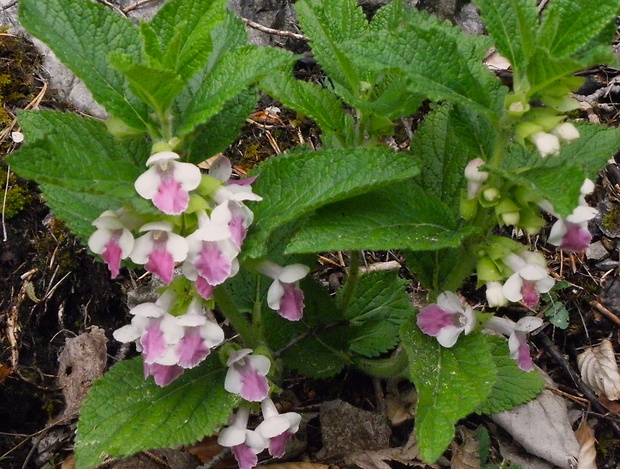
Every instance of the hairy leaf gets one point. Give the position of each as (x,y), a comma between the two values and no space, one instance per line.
(513,26)
(85,48)
(296,184)
(233,73)
(399,216)
(183,29)
(451,382)
(376,312)
(125,413)
(513,386)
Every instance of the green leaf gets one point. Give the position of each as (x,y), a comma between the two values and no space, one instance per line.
(313,101)
(233,73)
(399,216)
(158,90)
(435,269)
(448,138)
(328,24)
(184,31)
(559,184)
(376,312)
(125,413)
(591,151)
(557,315)
(513,386)
(63,149)
(570,25)
(439,61)
(222,129)
(296,184)
(451,382)
(513,25)
(388,17)
(83,43)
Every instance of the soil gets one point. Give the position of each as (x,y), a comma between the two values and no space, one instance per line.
(52,289)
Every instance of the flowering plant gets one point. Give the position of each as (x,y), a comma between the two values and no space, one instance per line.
(178,89)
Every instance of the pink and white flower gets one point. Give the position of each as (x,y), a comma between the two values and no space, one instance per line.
(277,429)
(284,294)
(247,375)
(170,344)
(571,234)
(529,280)
(168,182)
(159,250)
(245,444)
(517,337)
(446,319)
(112,240)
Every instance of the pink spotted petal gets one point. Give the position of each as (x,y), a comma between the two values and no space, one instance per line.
(237,229)
(576,239)
(277,444)
(203,288)
(161,264)
(153,343)
(171,198)
(163,374)
(292,302)
(432,320)
(112,256)
(212,264)
(192,349)
(254,386)
(520,351)
(529,294)
(245,456)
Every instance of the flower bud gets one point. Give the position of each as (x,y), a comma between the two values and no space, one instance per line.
(487,271)
(507,212)
(566,132)
(475,177)
(469,207)
(495,295)
(120,129)
(491,194)
(547,144)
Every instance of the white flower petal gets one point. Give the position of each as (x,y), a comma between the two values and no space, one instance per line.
(533,272)
(162,157)
(512,288)
(127,333)
(448,336)
(449,302)
(528,323)
(147,183)
(294,272)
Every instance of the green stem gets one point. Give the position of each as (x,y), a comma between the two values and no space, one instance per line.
(351,284)
(384,367)
(236,318)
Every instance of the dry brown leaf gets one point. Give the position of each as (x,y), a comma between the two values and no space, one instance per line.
(467,454)
(599,370)
(543,428)
(587,453)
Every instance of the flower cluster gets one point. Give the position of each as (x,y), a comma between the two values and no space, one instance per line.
(201,227)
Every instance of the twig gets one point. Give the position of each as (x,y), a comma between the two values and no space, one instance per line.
(113,7)
(9,5)
(132,7)
(276,32)
(6,193)
(605,312)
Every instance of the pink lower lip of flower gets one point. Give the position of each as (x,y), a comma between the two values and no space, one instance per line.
(171,198)
(161,264)
(245,456)
(212,264)
(524,360)
(153,343)
(163,374)
(112,256)
(432,319)
(192,349)
(277,444)
(254,386)
(576,238)
(529,294)
(292,303)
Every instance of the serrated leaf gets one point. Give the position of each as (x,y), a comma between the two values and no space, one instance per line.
(184,31)
(560,184)
(513,386)
(438,60)
(158,90)
(328,24)
(376,312)
(513,26)
(313,101)
(399,216)
(233,73)
(447,139)
(85,48)
(298,183)
(79,154)
(125,413)
(569,25)
(451,384)
(388,17)
(436,270)
(222,129)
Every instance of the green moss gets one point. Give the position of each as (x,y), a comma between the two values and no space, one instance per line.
(16,198)
(611,220)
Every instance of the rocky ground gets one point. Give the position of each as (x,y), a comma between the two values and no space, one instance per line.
(52,291)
